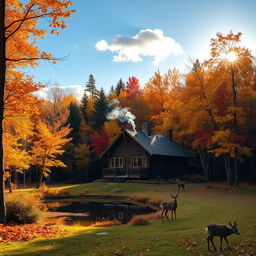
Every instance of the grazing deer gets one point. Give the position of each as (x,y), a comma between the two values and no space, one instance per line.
(222,231)
(166,206)
(181,185)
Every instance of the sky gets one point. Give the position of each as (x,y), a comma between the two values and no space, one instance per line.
(113,39)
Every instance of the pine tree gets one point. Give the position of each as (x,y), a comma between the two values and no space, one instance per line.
(91,87)
(112,90)
(119,87)
(100,111)
(74,121)
(84,106)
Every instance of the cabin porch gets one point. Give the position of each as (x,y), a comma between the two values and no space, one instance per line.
(129,173)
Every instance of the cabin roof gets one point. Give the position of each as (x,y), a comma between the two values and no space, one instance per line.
(154,144)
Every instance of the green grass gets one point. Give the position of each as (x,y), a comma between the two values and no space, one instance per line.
(197,207)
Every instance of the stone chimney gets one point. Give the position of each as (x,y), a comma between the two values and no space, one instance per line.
(146,128)
(169,134)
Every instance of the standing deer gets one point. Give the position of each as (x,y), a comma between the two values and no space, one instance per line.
(222,231)
(166,206)
(181,185)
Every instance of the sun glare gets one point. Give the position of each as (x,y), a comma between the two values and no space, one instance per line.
(231,56)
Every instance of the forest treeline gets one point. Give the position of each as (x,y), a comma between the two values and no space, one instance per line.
(211,109)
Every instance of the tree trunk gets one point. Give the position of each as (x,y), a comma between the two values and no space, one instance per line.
(2,90)
(236,171)
(40,179)
(234,88)
(24,179)
(228,169)
(205,160)
(9,184)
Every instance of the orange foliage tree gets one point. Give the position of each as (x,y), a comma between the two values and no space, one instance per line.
(18,36)
(47,146)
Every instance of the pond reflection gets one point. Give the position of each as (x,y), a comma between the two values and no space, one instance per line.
(85,212)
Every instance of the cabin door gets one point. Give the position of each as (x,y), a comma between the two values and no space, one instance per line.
(127,164)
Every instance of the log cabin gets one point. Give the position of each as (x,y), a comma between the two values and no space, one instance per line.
(142,155)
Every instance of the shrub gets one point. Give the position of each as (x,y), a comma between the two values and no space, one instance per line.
(139,197)
(156,200)
(151,216)
(55,221)
(51,192)
(20,211)
(106,223)
(138,220)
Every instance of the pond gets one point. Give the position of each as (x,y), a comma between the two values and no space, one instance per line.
(85,212)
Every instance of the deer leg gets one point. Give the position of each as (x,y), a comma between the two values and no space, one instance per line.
(227,242)
(221,239)
(175,214)
(208,244)
(163,214)
(213,244)
(166,214)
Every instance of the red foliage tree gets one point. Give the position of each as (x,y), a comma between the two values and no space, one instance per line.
(221,99)
(203,137)
(99,142)
(133,88)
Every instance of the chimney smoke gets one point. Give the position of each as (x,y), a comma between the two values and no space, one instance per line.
(122,114)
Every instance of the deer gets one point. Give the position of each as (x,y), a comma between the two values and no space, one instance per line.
(222,231)
(172,205)
(181,185)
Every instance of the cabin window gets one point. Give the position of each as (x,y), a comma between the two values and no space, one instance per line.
(140,161)
(116,162)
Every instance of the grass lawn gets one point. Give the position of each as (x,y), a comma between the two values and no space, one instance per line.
(197,207)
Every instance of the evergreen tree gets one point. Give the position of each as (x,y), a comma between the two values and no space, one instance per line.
(119,87)
(91,87)
(83,107)
(101,109)
(112,90)
(196,65)
(74,120)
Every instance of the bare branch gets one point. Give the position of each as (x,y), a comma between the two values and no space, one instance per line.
(35,58)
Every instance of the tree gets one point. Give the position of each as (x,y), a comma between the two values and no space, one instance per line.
(91,87)
(84,106)
(100,111)
(133,88)
(237,61)
(18,36)
(99,142)
(74,120)
(112,128)
(119,87)
(156,93)
(47,147)
(82,155)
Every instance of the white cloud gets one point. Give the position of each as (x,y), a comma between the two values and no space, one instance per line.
(77,90)
(102,45)
(147,42)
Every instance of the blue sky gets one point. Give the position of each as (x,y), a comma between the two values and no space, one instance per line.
(191,23)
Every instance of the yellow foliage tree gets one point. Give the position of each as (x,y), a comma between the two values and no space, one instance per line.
(112,128)
(47,148)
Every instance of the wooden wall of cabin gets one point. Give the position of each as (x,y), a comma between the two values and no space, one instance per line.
(168,166)
(126,147)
